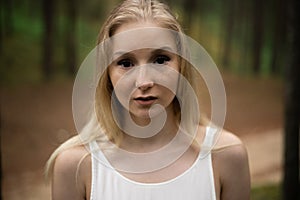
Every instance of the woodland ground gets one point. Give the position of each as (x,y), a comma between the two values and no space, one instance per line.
(35,119)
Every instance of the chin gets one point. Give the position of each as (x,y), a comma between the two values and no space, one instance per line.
(146,114)
(140,115)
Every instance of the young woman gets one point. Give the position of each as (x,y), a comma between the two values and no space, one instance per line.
(145,139)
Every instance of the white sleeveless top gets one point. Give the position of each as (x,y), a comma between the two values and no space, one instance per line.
(196,183)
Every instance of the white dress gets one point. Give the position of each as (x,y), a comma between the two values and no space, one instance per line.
(196,183)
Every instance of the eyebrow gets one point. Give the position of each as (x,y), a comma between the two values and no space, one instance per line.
(164,48)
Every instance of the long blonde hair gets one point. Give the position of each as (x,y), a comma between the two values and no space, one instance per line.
(102,124)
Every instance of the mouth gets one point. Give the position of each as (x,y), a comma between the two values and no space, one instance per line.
(148,98)
(145,101)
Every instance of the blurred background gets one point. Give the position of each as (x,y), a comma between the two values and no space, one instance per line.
(43,43)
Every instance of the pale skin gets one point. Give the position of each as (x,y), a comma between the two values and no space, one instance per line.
(72,170)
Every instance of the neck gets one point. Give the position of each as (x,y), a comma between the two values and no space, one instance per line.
(160,139)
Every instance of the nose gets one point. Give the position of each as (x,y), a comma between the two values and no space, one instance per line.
(143,80)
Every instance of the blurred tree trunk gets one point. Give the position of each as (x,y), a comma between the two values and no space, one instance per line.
(228,30)
(1,26)
(278,52)
(189,6)
(0,155)
(6,23)
(258,31)
(292,108)
(70,34)
(245,27)
(6,8)
(48,53)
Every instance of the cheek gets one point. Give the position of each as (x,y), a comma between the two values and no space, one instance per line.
(113,76)
(122,86)
(176,64)
(167,96)
(118,79)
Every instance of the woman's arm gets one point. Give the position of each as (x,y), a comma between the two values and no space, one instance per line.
(70,174)
(235,176)
(231,162)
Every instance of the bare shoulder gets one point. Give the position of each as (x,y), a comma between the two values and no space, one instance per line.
(69,159)
(230,150)
(227,139)
(224,139)
(71,174)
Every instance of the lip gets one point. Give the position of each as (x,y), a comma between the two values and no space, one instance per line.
(145,100)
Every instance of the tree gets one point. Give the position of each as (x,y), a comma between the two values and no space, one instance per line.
(48,53)
(292,106)
(0,155)
(228,30)
(258,31)
(190,7)
(70,34)
(279,35)
(242,33)
(8,19)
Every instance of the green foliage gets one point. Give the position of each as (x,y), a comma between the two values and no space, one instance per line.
(21,56)
(268,192)
(21,59)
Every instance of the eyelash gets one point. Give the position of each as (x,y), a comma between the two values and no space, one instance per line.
(165,59)
(124,63)
(127,63)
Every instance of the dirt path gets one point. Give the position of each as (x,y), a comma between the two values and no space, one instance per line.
(36,119)
(265,156)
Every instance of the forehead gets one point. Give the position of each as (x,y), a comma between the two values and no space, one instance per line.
(139,35)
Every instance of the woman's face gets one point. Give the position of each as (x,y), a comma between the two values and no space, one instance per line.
(144,70)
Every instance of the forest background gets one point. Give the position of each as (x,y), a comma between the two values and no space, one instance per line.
(44,42)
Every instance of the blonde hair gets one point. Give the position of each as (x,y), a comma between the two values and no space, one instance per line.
(102,125)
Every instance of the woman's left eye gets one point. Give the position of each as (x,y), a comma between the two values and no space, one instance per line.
(161,60)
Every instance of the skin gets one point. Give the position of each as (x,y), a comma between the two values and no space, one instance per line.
(72,170)
(139,82)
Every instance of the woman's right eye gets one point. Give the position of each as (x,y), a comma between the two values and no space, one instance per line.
(125,63)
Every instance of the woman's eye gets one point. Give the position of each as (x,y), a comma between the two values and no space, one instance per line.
(125,63)
(161,60)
